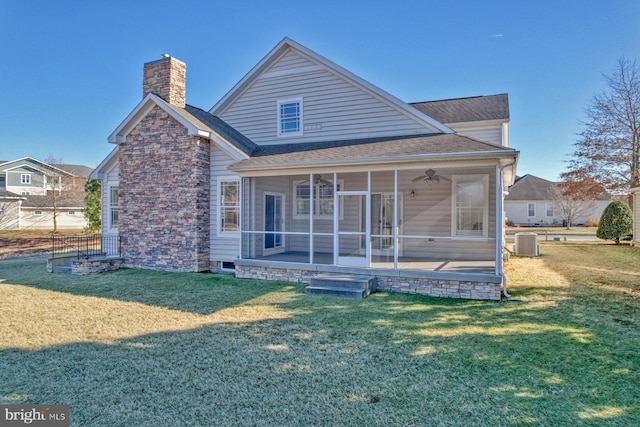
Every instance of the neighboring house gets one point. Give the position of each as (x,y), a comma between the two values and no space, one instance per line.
(303,167)
(28,185)
(10,204)
(635,207)
(529,204)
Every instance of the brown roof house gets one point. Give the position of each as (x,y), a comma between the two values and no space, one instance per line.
(26,195)
(303,170)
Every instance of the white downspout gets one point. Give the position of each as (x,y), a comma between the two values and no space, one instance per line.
(500,226)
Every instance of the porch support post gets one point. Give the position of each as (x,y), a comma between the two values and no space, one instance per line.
(499,221)
(395,219)
(336,217)
(311,188)
(367,239)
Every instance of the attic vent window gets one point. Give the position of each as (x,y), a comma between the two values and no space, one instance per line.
(290,117)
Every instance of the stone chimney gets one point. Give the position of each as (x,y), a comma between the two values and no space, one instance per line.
(167,78)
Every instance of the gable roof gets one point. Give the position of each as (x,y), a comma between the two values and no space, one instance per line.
(471,109)
(198,123)
(529,187)
(73,170)
(287,44)
(371,151)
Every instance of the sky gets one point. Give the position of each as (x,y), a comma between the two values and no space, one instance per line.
(71,71)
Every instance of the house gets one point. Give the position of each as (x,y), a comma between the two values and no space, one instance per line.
(305,168)
(27,188)
(530,204)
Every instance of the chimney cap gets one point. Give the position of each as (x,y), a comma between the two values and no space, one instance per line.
(165,55)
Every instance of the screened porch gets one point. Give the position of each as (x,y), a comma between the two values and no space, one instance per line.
(434,219)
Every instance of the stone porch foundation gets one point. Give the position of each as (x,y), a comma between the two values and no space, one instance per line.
(473,286)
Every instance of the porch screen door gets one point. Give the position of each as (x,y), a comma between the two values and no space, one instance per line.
(352,240)
(273,221)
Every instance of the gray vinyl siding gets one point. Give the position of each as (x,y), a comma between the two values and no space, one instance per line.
(333,108)
(490,134)
(223,248)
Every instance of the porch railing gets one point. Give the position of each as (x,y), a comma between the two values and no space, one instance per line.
(85,246)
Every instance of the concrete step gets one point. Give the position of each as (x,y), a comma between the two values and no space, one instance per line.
(349,285)
(336,291)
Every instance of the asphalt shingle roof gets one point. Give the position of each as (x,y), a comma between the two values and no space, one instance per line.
(529,187)
(369,148)
(62,201)
(472,109)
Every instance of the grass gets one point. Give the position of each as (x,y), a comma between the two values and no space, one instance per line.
(150,348)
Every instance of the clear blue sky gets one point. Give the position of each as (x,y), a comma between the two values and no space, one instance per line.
(71,71)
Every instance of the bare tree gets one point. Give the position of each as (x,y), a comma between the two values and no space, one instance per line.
(608,149)
(570,205)
(61,185)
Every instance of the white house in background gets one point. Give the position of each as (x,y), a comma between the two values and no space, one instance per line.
(305,168)
(26,195)
(528,204)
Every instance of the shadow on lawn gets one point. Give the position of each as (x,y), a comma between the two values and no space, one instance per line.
(390,359)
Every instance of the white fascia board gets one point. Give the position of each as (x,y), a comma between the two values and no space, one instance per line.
(336,69)
(478,124)
(99,171)
(39,166)
(138,113)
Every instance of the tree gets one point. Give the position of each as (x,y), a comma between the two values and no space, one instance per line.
(61,185)
(608,149)
(616,222)
(570,203)
(92,199)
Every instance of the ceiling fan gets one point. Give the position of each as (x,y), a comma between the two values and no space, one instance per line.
(317,179)
(430,177)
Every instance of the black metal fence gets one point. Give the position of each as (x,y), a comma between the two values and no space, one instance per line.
(85,245)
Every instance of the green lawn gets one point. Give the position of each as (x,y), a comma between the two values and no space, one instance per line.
(138,348)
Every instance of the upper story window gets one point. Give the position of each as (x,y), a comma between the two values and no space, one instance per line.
(290,117)
(25,178)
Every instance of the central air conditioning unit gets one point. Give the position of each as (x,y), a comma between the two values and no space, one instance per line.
(527,244)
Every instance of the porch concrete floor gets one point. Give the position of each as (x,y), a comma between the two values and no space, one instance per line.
(404,263)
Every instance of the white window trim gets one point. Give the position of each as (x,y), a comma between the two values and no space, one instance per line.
(109,218)
(222,179)
(37,212)
(299,100)
(547,210)
(534,209)
(28,178)
(485,205)
(296,215)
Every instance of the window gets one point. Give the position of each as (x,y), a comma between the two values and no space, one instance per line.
(290,117)
(71,213)
(531,209)
(229,205)
(549,209)
(114,207)
(322,199)
(25,178)
(37,212)
(470,201)
(25,193)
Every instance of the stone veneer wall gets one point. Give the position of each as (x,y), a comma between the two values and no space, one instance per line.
(166,78)
(164,196)
(436,287)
